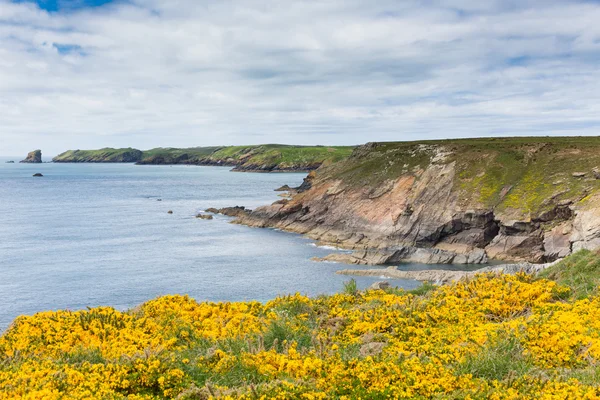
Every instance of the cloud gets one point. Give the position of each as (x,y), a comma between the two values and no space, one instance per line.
(186,72)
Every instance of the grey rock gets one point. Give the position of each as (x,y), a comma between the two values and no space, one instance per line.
(33,157)
(380,285)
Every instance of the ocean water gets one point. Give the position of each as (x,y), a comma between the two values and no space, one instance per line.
(86,235)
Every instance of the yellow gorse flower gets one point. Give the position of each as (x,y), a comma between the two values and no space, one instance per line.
(373,345)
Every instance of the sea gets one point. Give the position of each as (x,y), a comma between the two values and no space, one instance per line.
(86,235)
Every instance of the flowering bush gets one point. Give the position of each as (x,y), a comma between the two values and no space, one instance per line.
(497,337)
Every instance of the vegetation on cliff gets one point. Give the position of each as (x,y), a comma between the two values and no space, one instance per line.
(492,337)
(529,174)
(106,155)
(270,157)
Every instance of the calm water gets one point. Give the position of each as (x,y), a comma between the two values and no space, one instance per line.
(94,234)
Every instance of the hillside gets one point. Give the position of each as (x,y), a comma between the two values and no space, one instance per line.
(452,201)
(106,155)
(489,337)
(264,158)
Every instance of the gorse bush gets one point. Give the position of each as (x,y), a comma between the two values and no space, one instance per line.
(496,337)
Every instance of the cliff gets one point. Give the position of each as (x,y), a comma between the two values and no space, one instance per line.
(454,201)
(263,158)
(33,157)
(106,155)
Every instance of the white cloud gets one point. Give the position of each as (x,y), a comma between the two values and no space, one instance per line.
(187,72)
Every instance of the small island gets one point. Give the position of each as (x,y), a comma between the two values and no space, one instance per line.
(33,157)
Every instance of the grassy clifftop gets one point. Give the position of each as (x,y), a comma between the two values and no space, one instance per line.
(495,337)
(270,157)
(529,174)
(106,155)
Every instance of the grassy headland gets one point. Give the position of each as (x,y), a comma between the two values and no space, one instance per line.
(270,157)
(492,337)
(531,174)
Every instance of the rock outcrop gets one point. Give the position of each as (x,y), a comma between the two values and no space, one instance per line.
(237,211)
(34,157)
(440,277)
(456,201)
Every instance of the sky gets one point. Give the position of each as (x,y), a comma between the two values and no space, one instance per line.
(85,74)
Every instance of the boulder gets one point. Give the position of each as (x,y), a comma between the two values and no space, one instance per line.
(380,285)
(34,157)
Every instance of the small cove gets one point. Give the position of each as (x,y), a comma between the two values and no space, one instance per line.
(86,235)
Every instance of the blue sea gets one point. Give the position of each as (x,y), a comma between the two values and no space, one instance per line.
(86,235)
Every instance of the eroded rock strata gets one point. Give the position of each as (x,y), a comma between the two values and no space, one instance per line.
(456,201)
(33,157)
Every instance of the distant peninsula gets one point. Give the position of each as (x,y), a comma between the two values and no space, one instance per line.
(257,158)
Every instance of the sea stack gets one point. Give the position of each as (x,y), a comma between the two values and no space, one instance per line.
(34,157)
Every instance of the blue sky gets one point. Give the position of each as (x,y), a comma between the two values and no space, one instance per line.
(66,5)
(149,73)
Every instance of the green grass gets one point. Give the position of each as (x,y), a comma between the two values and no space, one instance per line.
(259,157)
(522,176)
(350,287)
(580,272)
(499,359)
(102,155)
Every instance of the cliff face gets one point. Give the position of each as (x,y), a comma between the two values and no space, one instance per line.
(33,157)
(106,155)
(260,158)
(456,201)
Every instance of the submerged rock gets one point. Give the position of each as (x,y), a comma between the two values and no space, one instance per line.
(204,216)
(33,157)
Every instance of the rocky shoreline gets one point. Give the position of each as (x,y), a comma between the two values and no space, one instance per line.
(454,202)
(256,158)
(441,277)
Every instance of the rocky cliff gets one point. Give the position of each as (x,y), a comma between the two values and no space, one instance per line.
(106,155)
(259,158)
(33,157)
(455,201)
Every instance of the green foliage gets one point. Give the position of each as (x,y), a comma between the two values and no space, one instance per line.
(105,155)
(422,290)
(259,157)
(524,176)
(500,358)
(579,271)
(281,333)
(350,287)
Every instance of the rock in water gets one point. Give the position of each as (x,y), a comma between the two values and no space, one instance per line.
(170,212)
(37,174)
(34,157)
(204,216)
